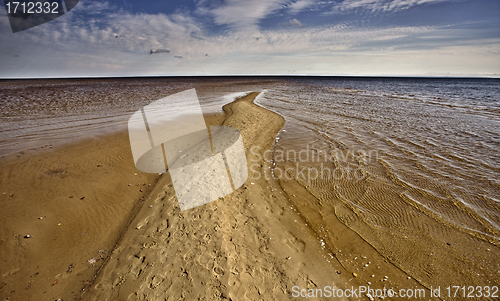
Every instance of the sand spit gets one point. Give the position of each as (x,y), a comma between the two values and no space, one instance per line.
(243,246)
(249,245)
(135,244)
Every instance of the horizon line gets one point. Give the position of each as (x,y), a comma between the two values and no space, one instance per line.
(259,75)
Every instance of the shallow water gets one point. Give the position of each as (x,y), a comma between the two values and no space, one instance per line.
(36,113)
(412,165)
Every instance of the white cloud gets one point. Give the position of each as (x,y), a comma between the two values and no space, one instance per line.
(293,22)
(122,41)
(137,34)
(300,5)
(118,43)
(244,14)
(120,31)
(383,5)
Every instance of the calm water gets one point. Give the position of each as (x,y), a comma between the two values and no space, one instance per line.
(412,165)
(35,113)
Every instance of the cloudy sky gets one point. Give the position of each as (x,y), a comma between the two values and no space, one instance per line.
(259,37)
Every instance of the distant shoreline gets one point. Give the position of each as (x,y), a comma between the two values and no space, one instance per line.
(262,76)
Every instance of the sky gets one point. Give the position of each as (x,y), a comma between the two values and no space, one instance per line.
(259,37)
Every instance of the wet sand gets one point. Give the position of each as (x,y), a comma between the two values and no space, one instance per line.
(253,244)
(73,202)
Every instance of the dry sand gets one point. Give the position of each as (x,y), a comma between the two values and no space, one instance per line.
(250,245)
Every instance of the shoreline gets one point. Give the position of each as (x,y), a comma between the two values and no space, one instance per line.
(254,243)
(230,248)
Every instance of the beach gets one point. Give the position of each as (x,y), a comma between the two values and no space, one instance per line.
(80,222)
(251,244)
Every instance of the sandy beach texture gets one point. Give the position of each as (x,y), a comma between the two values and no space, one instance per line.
(254,244)
(233,248)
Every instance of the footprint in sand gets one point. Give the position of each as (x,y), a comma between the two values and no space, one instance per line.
(219,271)
(142,223)
(294,243)
(156,281)
(163,225)
(137,266)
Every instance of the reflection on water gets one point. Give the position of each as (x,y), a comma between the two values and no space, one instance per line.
(39,112)
(412,165)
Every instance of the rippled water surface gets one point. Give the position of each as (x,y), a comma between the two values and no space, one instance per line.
(35,113)
(412,165)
